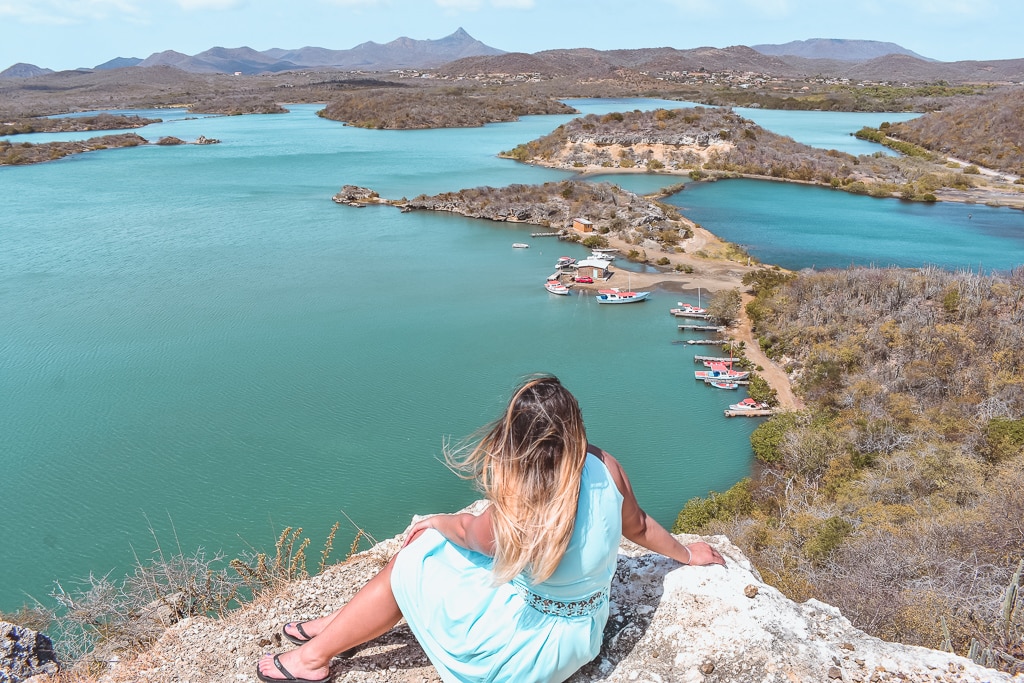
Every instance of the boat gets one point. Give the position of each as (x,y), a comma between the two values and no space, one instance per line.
(603,254)
(556,287)
(719,371)
(520,245)
(565,262)
(617,296)
(722,384)
(748,404)
(687,309)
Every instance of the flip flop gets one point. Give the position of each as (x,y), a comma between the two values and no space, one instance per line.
(287,675)
(305,637)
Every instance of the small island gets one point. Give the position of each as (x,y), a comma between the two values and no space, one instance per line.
(714,143)
(450,108)
(24,153)
(74,124)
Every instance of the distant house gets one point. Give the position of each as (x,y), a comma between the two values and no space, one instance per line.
(593,267)
(582,225)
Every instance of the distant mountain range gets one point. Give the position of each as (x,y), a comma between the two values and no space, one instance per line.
(838,49)
(666,61)
(460,53)
(402,53)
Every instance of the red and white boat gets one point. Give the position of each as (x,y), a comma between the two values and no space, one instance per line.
(748,404)
(556,287)
(617,296)
(721,384)
(719,371)
(687,309)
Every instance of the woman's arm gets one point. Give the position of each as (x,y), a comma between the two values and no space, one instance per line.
(473,532)
(644,530)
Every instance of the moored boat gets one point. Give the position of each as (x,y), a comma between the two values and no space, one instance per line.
(719,371)
(687,309)
(748,404)
(616,296)
(724,384)
(556,287)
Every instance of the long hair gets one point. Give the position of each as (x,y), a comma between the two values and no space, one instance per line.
(528,464)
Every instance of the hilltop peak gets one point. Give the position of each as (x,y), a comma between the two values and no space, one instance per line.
(840,49)
(22,70)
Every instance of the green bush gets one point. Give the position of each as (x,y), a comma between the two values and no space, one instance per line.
(698,512)
(1003,438)
(760,390)
(828,538)
(768,436)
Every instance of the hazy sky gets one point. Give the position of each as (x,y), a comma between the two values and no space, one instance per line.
(66,34)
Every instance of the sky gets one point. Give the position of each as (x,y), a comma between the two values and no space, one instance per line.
(68,34)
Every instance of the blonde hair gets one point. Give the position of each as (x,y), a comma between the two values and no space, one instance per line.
(528,464)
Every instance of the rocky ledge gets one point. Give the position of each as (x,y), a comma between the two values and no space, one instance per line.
(668,623)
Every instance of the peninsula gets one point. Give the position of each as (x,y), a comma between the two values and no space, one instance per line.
(681,255)
(714,143)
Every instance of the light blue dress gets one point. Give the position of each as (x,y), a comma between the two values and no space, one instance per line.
(475,631)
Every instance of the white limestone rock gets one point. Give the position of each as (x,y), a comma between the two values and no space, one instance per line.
(668,623)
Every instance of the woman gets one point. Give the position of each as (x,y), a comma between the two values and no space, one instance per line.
(520,591)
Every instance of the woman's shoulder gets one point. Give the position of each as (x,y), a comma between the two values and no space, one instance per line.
(611,464)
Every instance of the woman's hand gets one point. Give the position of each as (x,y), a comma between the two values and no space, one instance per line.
(464,529)
(417,528)
(702,554)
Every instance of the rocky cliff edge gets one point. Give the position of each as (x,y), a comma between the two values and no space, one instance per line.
(668,623)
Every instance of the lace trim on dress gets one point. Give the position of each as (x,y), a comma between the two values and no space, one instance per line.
(560,608)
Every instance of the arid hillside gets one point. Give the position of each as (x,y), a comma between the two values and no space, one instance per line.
(987,131)
(898,494)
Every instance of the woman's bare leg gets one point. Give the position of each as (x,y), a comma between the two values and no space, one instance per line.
(371,612)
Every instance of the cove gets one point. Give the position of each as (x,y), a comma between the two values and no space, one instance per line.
(800,226)
(197,341)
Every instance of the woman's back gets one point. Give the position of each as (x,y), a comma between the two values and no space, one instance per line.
(589,561)
(474,630)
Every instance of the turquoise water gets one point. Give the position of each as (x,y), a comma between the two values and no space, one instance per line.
(800,226)
(198,341)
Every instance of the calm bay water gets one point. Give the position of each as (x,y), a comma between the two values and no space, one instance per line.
(800,226)
(198,341)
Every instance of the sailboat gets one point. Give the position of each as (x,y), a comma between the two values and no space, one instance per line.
(688,309)
(617,296)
